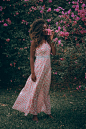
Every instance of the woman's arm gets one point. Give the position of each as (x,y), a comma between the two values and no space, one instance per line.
(32,55)
(53,49)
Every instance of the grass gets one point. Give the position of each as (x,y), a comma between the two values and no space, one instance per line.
(67,108)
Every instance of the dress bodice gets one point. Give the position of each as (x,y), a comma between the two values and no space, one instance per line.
(43,50)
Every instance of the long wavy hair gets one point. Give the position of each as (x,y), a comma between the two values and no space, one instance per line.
(36,32)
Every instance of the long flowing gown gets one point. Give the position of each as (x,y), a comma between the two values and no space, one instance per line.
(34,97)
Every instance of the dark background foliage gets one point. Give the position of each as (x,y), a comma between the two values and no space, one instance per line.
(15,44)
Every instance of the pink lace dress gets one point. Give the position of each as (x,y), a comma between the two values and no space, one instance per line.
(34,97)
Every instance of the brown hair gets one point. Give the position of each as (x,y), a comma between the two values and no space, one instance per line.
(36,32)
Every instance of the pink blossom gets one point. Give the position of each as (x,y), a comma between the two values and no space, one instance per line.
(49,10)
(83,5)
(61,21)
(72,15)
(66,33)
(62,59)
(55,39)
(77,7)
(57,10)
(11,64)
(59,28)
(1,8)
(77,18)
(11,81)
(21,48)
(69,11)
(8,40)
(9,21)
(41,0)
(41,11)
(79,86)
(59,42)
(23,21)
(5,24)
(75,38)
(81,31)
(77,44)
(2,20)
(73,6)
(73,2)
(56,31)
(64,28)
(55,73)
(74,23)
(49,31)
(48,20)
(17,13)
(62,12)
(26,0)
(25,47)
(60,8)
(26,23)
(50,1)
(61,33)
(14,64)
(64,22)
(75,78)
(56,23)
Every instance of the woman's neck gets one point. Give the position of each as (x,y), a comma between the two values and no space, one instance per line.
(43,40)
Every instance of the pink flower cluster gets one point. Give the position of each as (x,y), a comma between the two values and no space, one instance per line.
(34,8)
(41,0)
(58,29)
(41,11)
(1,8)
(55,39)
(50,1)
(23,21)
(5,24)
(62,34)
(78,87)
(9,21)
(8,40)
(57,10)
(61,59)
(48,20)
(49,10)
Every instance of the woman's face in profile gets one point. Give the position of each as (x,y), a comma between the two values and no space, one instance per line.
(44,29)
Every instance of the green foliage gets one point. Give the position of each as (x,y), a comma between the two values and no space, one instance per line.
(16,17)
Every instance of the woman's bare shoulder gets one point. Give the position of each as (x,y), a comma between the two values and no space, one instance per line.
(33,43)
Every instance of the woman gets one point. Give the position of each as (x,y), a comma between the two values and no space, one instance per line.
(34,97)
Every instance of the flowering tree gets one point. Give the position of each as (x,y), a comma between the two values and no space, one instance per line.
(67,19)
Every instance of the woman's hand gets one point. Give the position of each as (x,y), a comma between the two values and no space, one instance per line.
(52,35)
(33,77)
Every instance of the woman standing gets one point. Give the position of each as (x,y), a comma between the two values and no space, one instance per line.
(34,97)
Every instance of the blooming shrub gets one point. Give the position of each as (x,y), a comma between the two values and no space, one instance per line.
(68,21)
